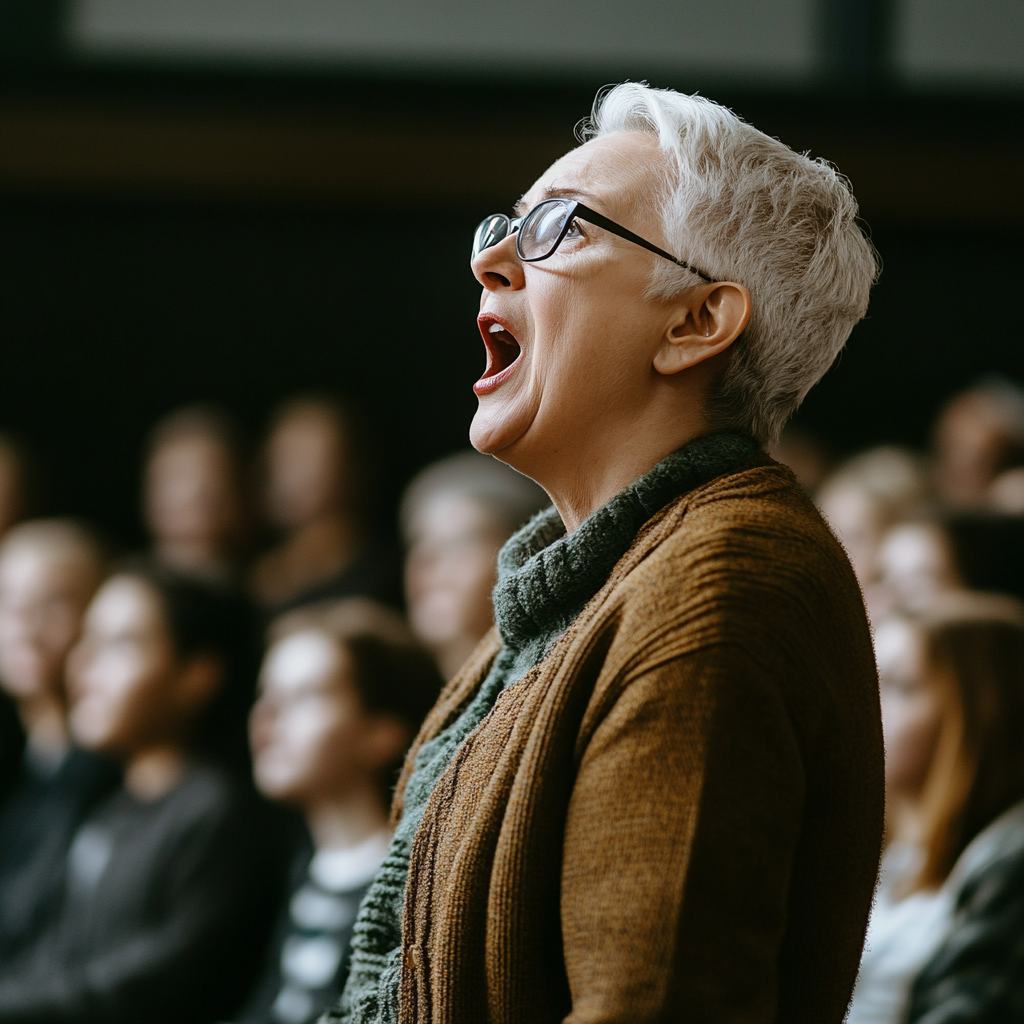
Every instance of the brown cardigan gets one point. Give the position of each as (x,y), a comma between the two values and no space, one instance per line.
(676,815)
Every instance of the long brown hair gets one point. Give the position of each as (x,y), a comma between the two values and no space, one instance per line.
(974,652)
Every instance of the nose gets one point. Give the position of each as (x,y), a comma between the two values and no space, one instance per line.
(499,267)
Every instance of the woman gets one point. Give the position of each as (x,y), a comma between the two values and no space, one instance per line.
(655,790)
(165,902)
(316,497)
(195,501)
(944,940)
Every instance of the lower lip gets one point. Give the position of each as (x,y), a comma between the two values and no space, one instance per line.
(486,385)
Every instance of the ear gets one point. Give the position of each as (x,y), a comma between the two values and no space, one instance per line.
(706,322)
(198,680)
(385,737)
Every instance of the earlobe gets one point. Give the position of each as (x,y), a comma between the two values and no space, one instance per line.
(711,319)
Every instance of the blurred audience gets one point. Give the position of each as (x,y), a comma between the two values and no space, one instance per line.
(916,561)
(343,690)
(865,497)
(49,570)
(195,501)
(945,939)
(978,437)
(315,496)
(455,516)
(163,911)
(805,454)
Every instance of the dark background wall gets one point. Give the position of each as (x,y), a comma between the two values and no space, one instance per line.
(173,234)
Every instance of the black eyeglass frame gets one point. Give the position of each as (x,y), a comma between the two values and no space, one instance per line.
(578,210)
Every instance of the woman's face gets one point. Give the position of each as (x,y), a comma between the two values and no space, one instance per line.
(577,328)
(308,727)
(450,569)
(305,468)
(192,492)
(121,674)
(911,708)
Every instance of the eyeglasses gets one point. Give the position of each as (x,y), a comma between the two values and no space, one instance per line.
(544,228)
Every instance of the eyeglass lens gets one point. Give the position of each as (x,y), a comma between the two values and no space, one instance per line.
(542,228)
(490,232)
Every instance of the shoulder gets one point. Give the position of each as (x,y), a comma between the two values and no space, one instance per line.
(747,533)
(746,560)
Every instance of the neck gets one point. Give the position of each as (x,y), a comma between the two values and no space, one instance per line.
(154,772)
(45,721)
(346,821)
(588,483)
(601,457)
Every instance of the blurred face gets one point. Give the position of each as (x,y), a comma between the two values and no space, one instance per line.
(123,675)
(857,521)
(916,564)
(191,492)
(309,732)
(970,447)
(911,708)
(450,569)
(305,468)
(43,595)
(570,340)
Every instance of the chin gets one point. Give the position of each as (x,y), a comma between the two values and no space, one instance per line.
(497,426)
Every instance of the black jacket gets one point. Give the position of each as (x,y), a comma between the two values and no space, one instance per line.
(164,912)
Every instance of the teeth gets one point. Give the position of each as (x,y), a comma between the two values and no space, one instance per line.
(495,329)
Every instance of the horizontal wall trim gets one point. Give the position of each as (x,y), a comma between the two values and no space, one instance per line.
(227,155)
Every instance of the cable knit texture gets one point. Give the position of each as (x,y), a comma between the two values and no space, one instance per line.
(657,794)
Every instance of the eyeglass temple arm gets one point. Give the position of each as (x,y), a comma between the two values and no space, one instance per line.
(585,213)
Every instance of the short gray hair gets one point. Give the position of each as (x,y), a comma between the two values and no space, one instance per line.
(745,207)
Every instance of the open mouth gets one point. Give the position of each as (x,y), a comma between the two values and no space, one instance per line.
(503,352)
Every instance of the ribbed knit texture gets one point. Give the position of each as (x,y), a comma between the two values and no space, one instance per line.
(545,578)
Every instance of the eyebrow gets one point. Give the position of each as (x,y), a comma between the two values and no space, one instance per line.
(554,192)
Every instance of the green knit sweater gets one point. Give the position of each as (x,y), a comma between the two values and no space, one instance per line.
(545,578)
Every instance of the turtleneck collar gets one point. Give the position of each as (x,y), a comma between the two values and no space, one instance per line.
(545,576)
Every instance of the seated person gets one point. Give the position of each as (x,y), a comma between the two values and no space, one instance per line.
(49,570)
(165,906)
(456,515)
(343,690)
(944,942)
(315,496)
(194,496)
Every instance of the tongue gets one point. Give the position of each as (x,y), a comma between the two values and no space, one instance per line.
(504,351)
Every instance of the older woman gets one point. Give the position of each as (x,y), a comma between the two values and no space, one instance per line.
(655,790)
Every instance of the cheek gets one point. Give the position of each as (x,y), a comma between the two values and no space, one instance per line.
(118,696)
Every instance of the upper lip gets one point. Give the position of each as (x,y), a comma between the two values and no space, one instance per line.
(501,353)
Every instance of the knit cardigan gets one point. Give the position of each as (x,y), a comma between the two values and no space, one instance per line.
(676,813)
(544,580)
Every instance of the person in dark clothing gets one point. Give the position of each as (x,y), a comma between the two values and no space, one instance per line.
(49,569)
(976,976)
(165,902)
(343,689)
